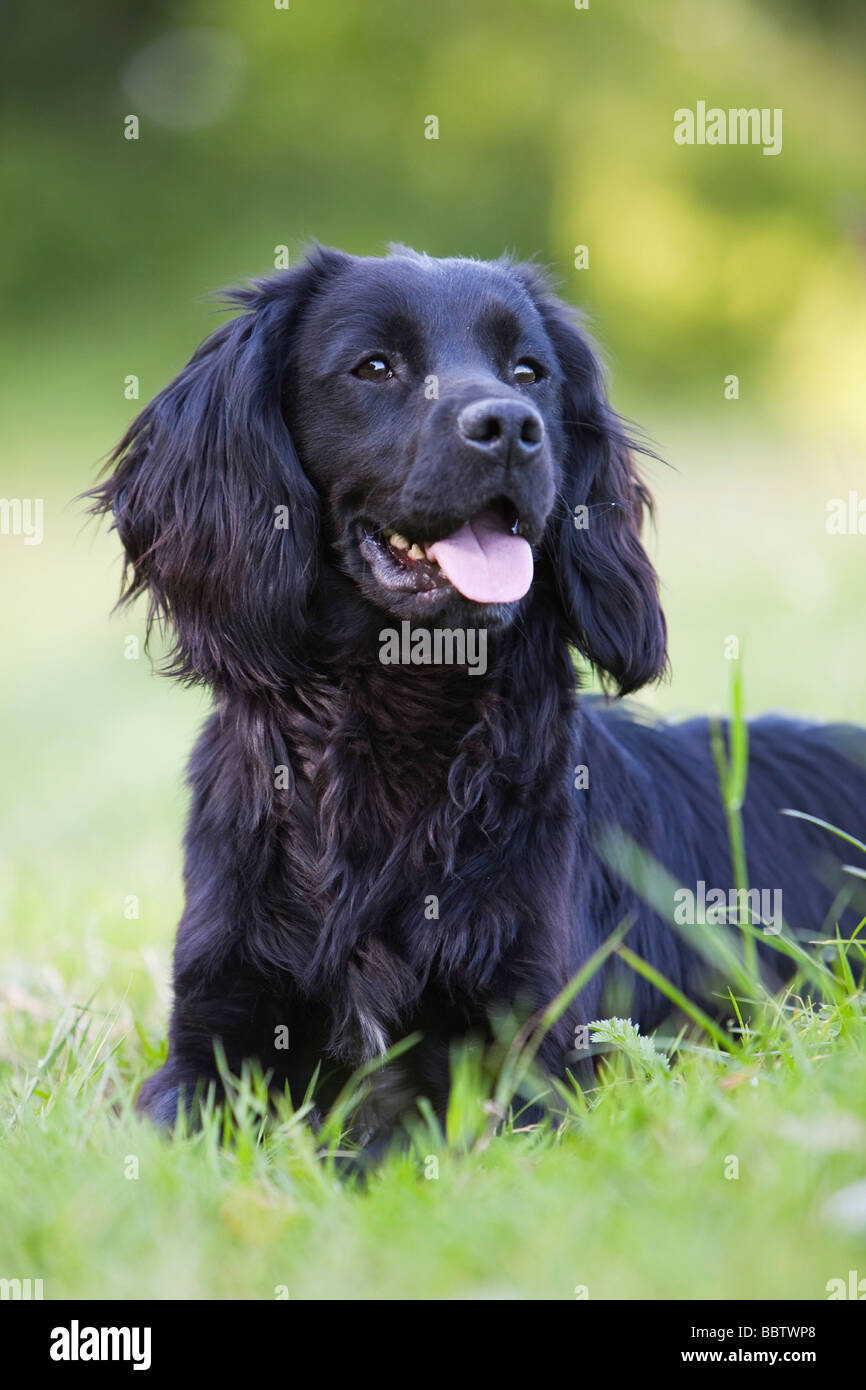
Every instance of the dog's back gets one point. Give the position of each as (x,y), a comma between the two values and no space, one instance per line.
(655,785)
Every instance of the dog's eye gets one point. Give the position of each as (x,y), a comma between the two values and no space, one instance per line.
(526,372)
(374,369)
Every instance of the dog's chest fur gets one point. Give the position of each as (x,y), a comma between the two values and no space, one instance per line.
(391,840)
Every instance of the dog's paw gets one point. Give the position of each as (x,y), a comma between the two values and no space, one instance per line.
(158,1099)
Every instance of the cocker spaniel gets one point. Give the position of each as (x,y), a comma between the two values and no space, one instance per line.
(381,511)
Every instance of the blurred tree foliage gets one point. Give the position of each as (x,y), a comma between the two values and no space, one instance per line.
(555,130)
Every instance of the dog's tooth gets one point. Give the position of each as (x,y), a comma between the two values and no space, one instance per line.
(415,552)
(399,542)
(387,532)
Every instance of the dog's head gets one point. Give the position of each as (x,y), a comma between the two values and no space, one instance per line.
(435,431)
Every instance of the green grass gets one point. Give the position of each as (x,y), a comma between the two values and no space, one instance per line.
(628,1197)
(631,1197)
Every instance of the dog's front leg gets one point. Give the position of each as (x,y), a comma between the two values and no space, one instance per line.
(221,1022)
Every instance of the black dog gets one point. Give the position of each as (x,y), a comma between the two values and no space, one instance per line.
(375,848)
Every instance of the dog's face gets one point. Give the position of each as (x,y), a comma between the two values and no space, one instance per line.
(435,430)
(423,397)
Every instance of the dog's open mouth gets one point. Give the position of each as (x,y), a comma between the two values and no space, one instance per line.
(484,559)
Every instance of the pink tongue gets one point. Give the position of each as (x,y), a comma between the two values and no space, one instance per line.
(484,560)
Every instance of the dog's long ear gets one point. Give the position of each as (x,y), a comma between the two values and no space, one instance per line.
(218,521)
(604,579)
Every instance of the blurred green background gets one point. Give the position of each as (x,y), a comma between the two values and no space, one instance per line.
(261,128)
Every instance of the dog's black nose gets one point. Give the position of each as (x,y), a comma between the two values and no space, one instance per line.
(509,432)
